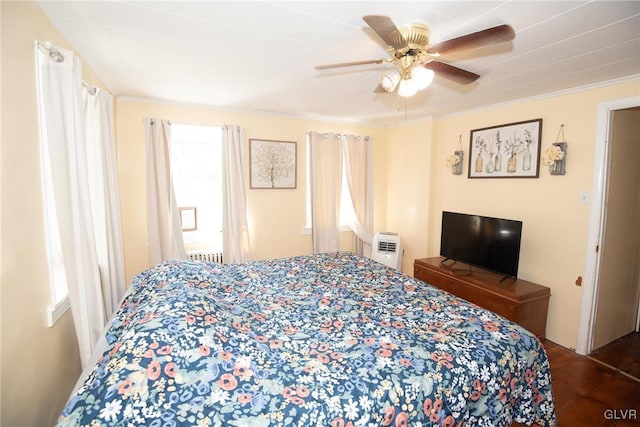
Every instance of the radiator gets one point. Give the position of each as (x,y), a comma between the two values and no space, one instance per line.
(206,256)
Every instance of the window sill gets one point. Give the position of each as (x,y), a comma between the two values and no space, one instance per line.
(55,312)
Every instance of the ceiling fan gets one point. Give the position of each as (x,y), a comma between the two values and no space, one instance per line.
(415,59)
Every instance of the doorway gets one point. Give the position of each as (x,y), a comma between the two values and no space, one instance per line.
(622,355)
(612,276)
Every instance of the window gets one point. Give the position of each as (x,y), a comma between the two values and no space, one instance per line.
(196,172)
(346,209)
(57,276)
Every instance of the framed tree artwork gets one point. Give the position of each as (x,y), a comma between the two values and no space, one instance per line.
(272,164)
(511,150)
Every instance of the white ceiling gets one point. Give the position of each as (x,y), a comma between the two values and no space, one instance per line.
(260,55)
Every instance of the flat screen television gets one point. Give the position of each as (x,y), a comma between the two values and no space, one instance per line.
(489,243)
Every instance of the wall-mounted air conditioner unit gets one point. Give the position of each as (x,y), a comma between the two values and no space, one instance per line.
(387,249)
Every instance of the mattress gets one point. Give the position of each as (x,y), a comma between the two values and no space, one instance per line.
(322,340)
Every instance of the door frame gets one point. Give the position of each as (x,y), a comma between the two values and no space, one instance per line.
(597,218)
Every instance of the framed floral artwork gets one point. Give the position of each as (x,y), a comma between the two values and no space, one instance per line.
(272,164)
(511,150)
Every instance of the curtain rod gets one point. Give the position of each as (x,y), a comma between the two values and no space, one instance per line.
(57,56)
(340,135)
(170,123)
(92,89)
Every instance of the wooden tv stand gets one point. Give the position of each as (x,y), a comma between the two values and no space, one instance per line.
(523,302)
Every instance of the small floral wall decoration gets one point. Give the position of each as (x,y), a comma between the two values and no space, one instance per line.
(506,151)
(454,162)
(554,157)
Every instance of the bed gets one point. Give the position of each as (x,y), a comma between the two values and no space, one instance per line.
(321,340)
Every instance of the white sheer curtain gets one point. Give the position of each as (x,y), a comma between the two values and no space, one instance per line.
(325,172)
(60,100)
(163,223)
(105,195)
(234,223)
(358,170)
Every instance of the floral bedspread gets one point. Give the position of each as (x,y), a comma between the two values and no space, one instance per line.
(322,340)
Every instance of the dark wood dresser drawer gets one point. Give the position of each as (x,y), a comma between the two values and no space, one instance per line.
(523,302)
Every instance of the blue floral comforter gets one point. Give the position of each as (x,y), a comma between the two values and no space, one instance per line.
(322,340)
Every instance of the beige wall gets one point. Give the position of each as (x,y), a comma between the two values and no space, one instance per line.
(555,226)
(276,217)
(409,187)
(39,364)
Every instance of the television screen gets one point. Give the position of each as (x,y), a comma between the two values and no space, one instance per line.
(485,242)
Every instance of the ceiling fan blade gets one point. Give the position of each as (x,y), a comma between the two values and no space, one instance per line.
(386,29)
(452,73)
(480,38)
(349,64)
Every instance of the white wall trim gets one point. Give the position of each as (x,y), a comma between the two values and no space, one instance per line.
(600,173)
(375,120)
(545,95)
(211,107)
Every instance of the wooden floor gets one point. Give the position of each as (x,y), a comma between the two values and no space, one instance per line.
(589,393)
(623,354)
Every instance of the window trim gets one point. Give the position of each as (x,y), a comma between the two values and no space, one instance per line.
(57,310)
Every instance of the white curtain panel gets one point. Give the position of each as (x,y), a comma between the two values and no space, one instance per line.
(163,221)
(358,168)
(105,195)
(60,99)
(325,172)
(235,228)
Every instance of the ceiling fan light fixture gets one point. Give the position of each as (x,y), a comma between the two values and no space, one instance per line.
(407,88)
(390,80)
(416,35)
(413,55)
(421,77)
